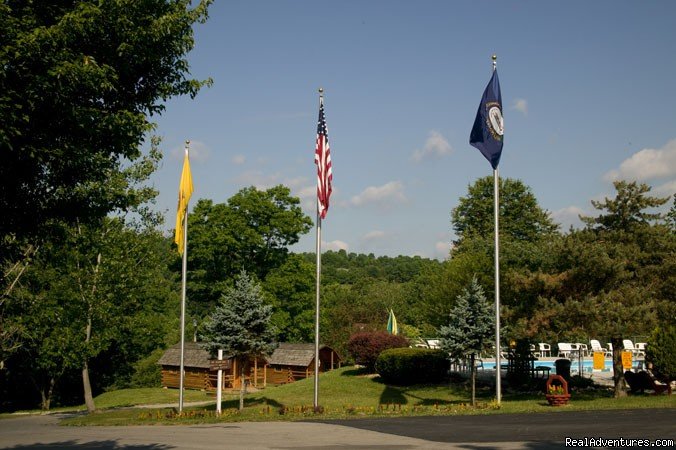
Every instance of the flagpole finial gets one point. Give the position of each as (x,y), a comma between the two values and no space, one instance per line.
(321,92)
(495,60)
(187,146)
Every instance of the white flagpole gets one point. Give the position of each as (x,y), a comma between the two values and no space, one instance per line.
(496,212)
(183,290)
(319,274)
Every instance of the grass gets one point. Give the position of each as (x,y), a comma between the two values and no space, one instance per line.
(345,393)
(147,396)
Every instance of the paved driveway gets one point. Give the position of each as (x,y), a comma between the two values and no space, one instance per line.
(507,431)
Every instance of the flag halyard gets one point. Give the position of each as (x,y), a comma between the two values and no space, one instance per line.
(185,190)
(487,132)
(323,162)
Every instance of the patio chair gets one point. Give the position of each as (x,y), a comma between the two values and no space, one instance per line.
(565,349)
(641,381)
(629,346)
(534,351)
(545,349)
(596,347)
(582,349)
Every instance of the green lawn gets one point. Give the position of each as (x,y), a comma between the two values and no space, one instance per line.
(345,393)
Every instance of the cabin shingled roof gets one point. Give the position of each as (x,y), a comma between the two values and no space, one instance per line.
(287,354)
(193,356)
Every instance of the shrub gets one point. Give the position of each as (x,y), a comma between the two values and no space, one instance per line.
(661,351)
(147,373)
(405,366)
(365,347)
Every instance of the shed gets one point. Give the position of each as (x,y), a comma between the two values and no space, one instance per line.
(292,362)
(200,370)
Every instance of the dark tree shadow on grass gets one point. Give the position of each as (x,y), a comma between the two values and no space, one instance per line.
(357,371)
(392,395)
(93,445)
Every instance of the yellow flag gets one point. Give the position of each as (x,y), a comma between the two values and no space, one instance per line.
(184,193)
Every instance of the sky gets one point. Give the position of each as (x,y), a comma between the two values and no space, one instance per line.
(587,89)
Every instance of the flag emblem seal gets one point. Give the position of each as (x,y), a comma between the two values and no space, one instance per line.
(495,123)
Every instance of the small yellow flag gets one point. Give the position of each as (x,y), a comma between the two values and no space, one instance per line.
(184,192)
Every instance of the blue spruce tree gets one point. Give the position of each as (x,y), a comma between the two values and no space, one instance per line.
(240,326)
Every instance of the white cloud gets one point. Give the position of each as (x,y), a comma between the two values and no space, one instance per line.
(521,105)
(258,179)
(199,151)
(261,180)
(435,145)
(385,195)
(335,245)
(308,199)
(238,160)
(373,235)
(667,189)
(647,164)
(442,249)
(568,216)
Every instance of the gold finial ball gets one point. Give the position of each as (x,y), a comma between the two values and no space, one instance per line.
(494,57)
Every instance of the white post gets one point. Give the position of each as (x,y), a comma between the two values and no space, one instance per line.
(219,384)
(496,211)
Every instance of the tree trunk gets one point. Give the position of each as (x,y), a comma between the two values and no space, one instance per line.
(89,399)
(242,386)
(87,387)
(618,370)
(46,395)
(473,377)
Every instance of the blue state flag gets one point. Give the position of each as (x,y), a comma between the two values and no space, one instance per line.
(488,126)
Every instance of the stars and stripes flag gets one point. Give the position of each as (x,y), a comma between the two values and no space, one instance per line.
(323,162)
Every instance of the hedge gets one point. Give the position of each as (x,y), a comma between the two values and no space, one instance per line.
(406,366)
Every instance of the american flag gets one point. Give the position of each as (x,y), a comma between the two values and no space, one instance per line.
(323,162)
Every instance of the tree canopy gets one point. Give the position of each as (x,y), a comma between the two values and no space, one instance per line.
(627,210)
(79,82)
(521,217)
(251,231)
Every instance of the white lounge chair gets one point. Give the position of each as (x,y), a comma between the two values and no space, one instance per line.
(545,349)
(582,349)
(596,347)
(629,346)
(565,349)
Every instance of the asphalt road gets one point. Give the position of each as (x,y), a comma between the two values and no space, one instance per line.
(505,431)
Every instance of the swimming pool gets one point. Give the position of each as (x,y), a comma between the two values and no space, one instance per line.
(587,365)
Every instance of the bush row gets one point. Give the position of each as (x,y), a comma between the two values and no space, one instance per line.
(406,366)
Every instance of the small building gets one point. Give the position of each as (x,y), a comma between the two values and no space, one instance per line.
(201,372)
(293,362)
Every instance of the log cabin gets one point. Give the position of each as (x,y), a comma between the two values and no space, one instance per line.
(292,362)
(200,372)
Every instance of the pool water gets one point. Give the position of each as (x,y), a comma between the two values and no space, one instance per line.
(587,366)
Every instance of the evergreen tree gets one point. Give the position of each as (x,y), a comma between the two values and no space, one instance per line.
(671,215)
(240,325)
(627,209)
(470,328)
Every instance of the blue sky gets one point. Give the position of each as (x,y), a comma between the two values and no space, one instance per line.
(587,88)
